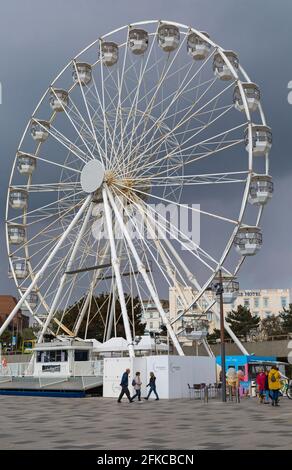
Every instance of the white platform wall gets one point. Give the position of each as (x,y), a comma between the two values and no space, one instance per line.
(173,373)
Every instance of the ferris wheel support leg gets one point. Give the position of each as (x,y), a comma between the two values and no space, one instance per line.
(89,295)
(83,310)
(64,276)
(111,315)
(116,267)
(45,265)
(142,271)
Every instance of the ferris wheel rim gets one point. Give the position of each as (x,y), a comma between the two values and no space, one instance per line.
(245,199)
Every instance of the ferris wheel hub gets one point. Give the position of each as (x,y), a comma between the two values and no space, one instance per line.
(92,176)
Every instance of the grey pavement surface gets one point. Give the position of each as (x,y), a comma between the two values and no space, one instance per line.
(101,423)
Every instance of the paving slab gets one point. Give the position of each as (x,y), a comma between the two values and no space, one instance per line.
(102,423)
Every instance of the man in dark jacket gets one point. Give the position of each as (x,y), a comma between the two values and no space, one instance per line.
(124,384)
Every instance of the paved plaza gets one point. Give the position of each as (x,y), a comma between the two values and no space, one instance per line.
(101,423)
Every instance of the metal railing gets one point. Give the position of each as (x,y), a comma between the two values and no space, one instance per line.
(204,391)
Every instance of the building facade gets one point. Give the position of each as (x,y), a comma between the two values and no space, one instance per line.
(19,322)
(262,302)
(151,316)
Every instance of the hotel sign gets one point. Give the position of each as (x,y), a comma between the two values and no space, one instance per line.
(249,293)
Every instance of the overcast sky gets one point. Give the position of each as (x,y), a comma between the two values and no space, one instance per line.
(38,38)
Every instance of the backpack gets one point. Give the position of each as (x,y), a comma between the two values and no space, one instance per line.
(273,378)
(133,382)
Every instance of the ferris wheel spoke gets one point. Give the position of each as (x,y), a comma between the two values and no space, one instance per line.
(72,122)
(105,121)
(41,208)
(46,243)
(49,187)
(192,136)
(150,145)
(200,144)
(50,162)
(179,236)
(181,88)
(160,198)
(64,141)
(175,233)
(123,136)
(101,151)
(135,101)
(188,116)
(212,178)
(195,156)
(148,110)
(120,81)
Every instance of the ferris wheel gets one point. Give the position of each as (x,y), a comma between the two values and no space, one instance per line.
(148,116)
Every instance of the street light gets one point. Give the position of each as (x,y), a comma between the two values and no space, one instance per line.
(218,287)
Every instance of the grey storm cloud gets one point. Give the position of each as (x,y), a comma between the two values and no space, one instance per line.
(38,38)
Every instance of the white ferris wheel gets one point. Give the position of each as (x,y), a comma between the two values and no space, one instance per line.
(149,115)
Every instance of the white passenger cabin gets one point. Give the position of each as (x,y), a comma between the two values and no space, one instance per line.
(64,358)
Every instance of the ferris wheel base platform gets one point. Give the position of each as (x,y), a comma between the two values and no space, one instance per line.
(68,387)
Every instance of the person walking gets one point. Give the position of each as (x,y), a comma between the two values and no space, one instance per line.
(274,385)
(261,380)
(152,385)
(124,384)
(137,386)
(267,391)
(240,379)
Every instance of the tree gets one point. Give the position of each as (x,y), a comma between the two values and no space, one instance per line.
(242,322)
(286,317)
(272,326)
(28,333)
(6,338)
(212,337)
(94,323)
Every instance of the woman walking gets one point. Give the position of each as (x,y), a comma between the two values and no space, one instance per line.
(136,383)
(274,385)
(152,385)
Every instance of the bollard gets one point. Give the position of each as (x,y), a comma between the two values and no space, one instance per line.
(206,396)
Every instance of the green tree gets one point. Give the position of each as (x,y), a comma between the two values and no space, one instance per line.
(242,322)
(286,317)
(212,337)
(272,326)
(6,338)
(28,333)
(93,325)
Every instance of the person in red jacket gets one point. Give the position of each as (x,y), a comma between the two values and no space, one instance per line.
(261,383)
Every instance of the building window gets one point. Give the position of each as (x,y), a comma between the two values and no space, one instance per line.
(268,314)
(284,302)
(52,356)
(151,315)
(246,303)
(151,325)
(256,303)
(266,301)
(80,355)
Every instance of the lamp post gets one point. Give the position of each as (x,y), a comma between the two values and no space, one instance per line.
(219,292)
